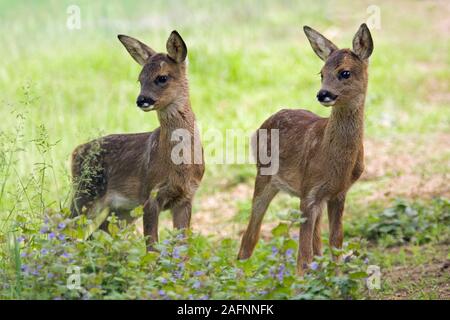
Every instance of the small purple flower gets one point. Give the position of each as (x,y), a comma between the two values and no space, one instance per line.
(263,292)
(181,265)
(274,250)
(24,268)
(21,239)
(198,273)
(44,251)
(205,297)
(161,292)
(289,252)
(366,260)
(163,280)
(314,265)
(176,253)
(44,230)
(35,273)
(65,255)
(280,274)
(50,275)
(61,236)
(51,235)
(166,242)
(197,284)
(272,271)
(23,254)
(180,236)
(61,225)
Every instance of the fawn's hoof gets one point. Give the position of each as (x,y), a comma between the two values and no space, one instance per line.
(243,255)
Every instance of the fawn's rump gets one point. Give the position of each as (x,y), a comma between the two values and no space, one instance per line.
(88,175)
(94,175)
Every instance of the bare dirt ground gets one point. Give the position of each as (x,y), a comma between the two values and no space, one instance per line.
(431,279)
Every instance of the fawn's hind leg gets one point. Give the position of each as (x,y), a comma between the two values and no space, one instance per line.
(317,236)
(311,212)
(262,196)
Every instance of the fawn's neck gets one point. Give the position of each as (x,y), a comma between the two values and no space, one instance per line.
(345,131)
(176,116)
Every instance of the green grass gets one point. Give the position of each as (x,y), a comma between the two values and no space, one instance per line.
(246,61)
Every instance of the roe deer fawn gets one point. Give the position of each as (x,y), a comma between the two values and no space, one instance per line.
(121,171)
(319,158)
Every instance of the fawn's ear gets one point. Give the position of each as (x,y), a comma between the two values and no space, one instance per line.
(362,42)
(176,48)
(139,51)
(321,45)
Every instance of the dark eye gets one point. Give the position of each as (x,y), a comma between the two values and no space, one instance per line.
(161,79)
(344,74)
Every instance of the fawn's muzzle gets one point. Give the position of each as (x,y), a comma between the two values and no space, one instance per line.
(144,102)
(326,98)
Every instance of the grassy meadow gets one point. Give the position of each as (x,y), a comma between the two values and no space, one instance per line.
(247,60)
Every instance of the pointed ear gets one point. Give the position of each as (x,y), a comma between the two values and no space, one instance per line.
(321,45)
(362,42)
(176,48)
(139,51)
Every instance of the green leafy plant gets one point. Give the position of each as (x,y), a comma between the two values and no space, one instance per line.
(405,223)
(45,264)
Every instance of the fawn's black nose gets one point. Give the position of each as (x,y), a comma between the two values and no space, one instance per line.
(144,102)
(326,96)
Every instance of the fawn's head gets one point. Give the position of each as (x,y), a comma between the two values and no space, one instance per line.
(344,75)
(163,77)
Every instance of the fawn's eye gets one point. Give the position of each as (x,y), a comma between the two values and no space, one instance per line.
(161,79)
(344,74)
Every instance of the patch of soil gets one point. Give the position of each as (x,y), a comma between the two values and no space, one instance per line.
(432,278)
(216,212)
(409,164)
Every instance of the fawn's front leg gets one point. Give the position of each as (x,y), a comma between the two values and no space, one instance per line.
(335,213)
(312,213)
(181,215)
(151,217)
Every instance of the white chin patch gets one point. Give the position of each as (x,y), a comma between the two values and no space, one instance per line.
(147,107)
(328,102)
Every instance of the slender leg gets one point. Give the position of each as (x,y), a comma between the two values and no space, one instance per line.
(181,215)
(335,213)
(305,250)
(317,236)
(150,219)
(263,195)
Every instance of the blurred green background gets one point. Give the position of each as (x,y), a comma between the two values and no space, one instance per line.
(247,60)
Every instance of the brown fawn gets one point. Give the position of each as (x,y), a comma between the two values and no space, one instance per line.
(319,158)
(122,171)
